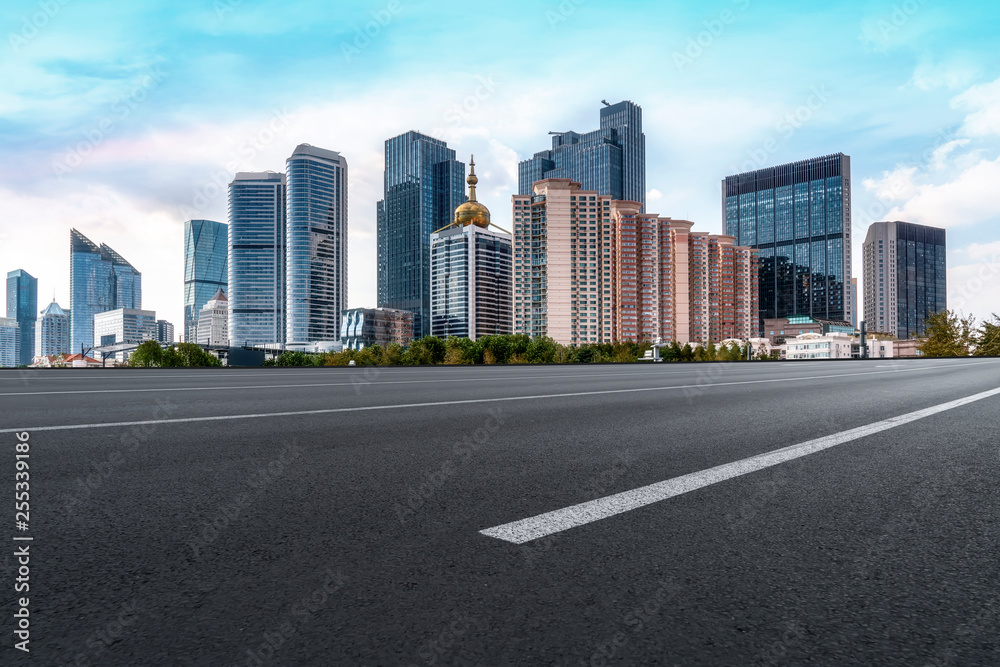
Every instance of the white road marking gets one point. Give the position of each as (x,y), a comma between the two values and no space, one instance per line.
(402,406)
(557,521)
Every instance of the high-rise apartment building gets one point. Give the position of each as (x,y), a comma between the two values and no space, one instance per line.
(10,343)
(423,187)
(364,327)
(798,216)
(100,280)
(22,305)
(316,245)
(905,277)
(257,210)
(165,332)
(471,272)
(124,326)
(591,269)
(52,332)
(610,161)
(206,268)
(213,321)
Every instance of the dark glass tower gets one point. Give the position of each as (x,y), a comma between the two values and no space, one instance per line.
(257,259)
(610,161)
(206,268)
(798,216)
(100,280)
(316,252)
(22,305)
(424,184)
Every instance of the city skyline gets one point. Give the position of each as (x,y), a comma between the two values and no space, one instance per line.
(920,125)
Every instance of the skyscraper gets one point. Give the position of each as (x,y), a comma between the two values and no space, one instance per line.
(799,217)
(257,203)
(52,332)
(471,272)
(100,280)
(10,343)
(22,305)
(213,321)
(610,161)
(423,187)
(206,268)
(165,332)
(905,276)
(316,245)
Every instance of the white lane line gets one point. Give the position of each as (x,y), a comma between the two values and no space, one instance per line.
(557,521)
(402,406)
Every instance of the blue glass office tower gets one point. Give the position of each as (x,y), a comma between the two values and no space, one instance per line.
(798,216)
(22,305)
(100,280)
(257,203)
(206,268)
(610,161)
(316,237)
(424,184)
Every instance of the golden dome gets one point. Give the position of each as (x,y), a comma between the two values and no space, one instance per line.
(472,212)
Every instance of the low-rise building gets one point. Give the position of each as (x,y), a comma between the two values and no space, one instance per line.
(65,361)
(787,328)
(125,326)
(819,346)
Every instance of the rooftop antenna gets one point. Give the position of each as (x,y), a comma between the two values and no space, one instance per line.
(605,103)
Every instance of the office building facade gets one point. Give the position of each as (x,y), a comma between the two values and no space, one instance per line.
(256,263)
(905,277)
(52,332)
(798,217)
(423,186)
(316,245)
(364,327)
(589,269)
(124,326)
(22,305)
(100,280)
(10,343)
(206,268)
(165,332)
(610,161)
(213,321)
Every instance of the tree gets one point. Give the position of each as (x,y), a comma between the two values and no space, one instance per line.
(948,335)
(148,355)
(687,353)
(988,338)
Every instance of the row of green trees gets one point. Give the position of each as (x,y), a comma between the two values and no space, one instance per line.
(151,355)
(516,349)
(950,334)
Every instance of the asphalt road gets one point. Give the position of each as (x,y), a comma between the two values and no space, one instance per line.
(334,516)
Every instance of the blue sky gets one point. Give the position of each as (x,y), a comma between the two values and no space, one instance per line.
(123,119)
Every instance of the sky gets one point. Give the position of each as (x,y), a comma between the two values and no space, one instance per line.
(123,120)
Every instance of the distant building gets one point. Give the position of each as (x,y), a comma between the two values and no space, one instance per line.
(798,216)
(820,347)
(854,300)
(610,161)
(22,305)
(257,209)
(100,280)
(471,274)
(206,269)
(65,361)
(10,343)
(789,327)
(905,275)
(364,327)
(165,332)
(213,321)
(316,245)
(124,326)
(590,269)
(423,187)
(52,331)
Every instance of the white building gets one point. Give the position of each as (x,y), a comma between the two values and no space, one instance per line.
(52,332)
(125,326)
(833,345)
(213,321)
(10,342)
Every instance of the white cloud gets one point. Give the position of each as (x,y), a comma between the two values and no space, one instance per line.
(983,104)
(653,195)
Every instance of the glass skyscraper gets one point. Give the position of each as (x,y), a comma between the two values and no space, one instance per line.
(206,268)
(100,280)
(52,332)
(424,184)
(257,259)
(799,218)
(905,271)
(610,161)
(316,250)
(22,305)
